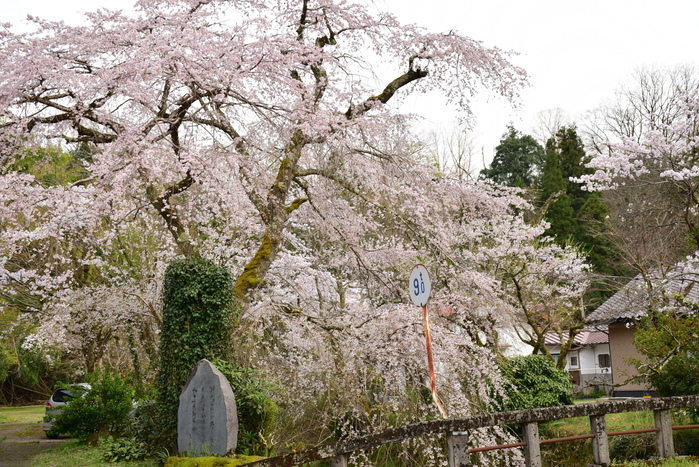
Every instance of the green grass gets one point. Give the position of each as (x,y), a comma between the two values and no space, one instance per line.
(637,446)
(73,453)
(32,414)
(615,422)
(677,462)
(67,454)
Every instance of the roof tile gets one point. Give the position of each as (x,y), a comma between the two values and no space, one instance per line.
(636,297)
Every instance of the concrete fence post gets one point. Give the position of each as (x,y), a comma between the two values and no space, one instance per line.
(600,443)
(457,444)
(663,422)
(532,450)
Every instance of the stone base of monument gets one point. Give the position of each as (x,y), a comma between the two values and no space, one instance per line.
(207,419)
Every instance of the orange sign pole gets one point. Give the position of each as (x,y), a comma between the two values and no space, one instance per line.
(430,363)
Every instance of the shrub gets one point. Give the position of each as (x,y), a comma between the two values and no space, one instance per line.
(630,447)
(687,442)
(567,454)
(535,382)
(102,410)
(124,450)
(678,378)
(257,411)
(595,395)
(198,311)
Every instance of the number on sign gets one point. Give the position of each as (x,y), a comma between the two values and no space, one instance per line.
(419,285)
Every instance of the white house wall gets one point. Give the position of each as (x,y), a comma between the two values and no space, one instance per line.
(588,359)
(590,362)
(601,349)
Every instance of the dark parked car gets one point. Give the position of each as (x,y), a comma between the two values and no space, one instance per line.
(58,399)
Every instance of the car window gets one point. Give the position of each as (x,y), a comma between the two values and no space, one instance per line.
(62,395)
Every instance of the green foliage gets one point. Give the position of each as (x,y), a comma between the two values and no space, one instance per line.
(210,461)
(536,382)
(32,365)
(517,162)
(687,442)
(24,372)
(124,450)
(6,363)
(669,340)
(577,216)
(102,410)
(28,373)
(53,167)
(74,453)
(679,377)
(674,462)
(577,453)
(631,447)
(146,428)
(595,395)
(257,411)
(198,312)
(568,454)
(662,332)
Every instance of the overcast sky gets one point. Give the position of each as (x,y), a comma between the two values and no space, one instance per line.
(576,52)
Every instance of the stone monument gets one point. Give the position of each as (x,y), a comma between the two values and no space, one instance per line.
(207,418)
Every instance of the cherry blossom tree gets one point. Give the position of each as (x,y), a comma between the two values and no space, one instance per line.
(481,256)
(187,91)
(645,144)
(547,291)
(266,137)
(665,157)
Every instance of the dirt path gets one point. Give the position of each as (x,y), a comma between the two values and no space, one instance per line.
(19,442)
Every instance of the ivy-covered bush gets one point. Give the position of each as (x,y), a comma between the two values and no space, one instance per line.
(535,382)
(103,410)
(198,312)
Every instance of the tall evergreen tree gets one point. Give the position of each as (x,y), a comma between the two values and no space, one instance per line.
(518,160)
(576,216)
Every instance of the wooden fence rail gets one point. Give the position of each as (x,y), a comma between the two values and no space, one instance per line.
(456,431)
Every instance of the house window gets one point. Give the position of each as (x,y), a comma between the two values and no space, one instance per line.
(604,360)
(555,357)
(574,361)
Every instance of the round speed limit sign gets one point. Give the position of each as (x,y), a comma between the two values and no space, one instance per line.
(419,285)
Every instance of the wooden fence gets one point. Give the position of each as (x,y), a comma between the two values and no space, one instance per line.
(456,430)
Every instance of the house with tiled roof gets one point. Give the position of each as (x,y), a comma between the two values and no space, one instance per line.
(621,313)
(588,361)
